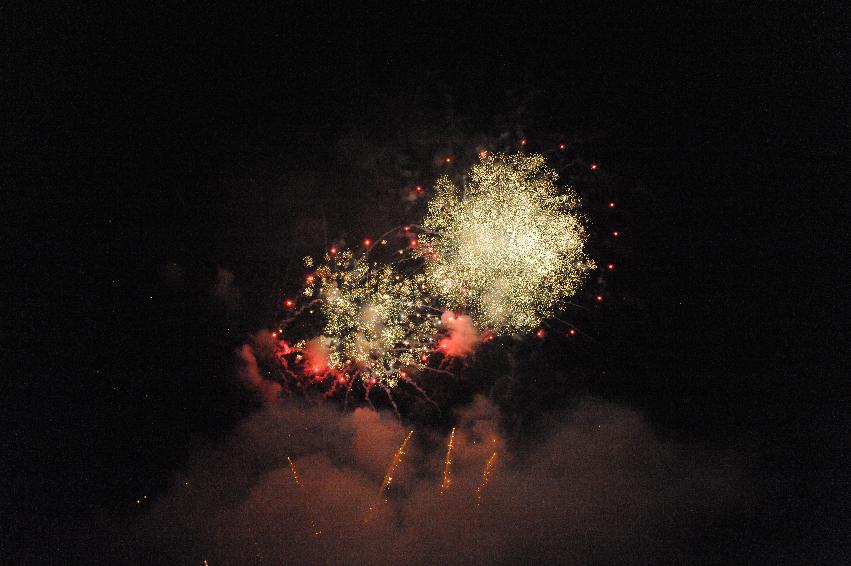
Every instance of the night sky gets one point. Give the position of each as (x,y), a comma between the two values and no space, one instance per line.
(164,169)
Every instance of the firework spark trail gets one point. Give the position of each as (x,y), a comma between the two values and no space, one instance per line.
(407,379)
(300,484)
(447,464)
(392,401)
(388,477)
(296,479)
(485,478)
(394,463)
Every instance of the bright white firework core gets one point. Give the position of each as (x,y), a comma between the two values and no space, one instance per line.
(509,248)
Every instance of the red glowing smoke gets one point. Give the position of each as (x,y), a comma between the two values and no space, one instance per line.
(461,336)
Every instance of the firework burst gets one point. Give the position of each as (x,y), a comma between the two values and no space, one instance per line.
(497,256)
(509,247)
(378,325)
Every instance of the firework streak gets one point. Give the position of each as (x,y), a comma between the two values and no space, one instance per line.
(388,477)
(485,478)
(447,464)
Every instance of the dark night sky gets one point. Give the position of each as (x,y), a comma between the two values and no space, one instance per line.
(137,138)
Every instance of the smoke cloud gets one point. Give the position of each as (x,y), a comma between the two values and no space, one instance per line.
(248,370)
(316,355)
(596,485)
(462,337)
(225,290)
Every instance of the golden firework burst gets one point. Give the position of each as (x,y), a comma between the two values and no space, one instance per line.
(378,325)
(508,247)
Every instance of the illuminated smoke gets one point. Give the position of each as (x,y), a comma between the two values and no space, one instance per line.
(461,335)
(249,372)
(598,487)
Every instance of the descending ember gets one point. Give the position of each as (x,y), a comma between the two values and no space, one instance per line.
(508,247)
(298,482)
(295,472)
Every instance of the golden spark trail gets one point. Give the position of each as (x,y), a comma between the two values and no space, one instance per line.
(388,477)
(447,464)
(295,473)
(394,463)
(485,478)
(298,482)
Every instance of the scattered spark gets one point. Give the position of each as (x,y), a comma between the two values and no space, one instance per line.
(298,482)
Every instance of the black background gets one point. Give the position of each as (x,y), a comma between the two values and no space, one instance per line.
(141,136)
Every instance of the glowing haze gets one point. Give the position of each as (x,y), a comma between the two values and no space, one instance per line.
(508,247)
